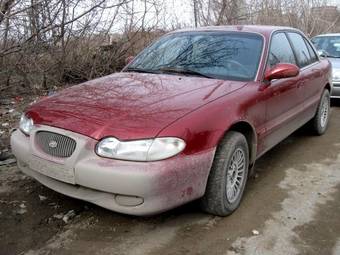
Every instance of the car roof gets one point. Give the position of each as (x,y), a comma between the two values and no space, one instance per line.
(264,30)
(330,34)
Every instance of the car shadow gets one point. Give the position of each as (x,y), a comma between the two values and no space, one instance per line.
(335,102)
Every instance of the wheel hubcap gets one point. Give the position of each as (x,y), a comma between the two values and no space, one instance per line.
(235,175)
(324,113)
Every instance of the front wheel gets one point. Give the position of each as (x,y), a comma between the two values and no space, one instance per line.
(228,176)
(321,118)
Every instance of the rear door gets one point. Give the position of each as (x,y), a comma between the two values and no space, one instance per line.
(310,72)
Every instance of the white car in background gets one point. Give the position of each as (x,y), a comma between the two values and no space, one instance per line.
(328,45)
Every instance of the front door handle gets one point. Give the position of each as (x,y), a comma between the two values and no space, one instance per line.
(300,84)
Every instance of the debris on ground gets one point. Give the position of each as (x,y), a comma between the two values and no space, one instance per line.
(6,124)
(54,205)
(24,177)
(5,101)
(18,99)
(69,216)
(9,202)
(6,158)
(58,216)
(255,232)
(7,161)
(22,209)
(42,198)
(4,155)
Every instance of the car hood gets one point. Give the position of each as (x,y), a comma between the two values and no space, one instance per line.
(335,63)
(128,105)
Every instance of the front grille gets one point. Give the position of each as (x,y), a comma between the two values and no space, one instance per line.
(54,144)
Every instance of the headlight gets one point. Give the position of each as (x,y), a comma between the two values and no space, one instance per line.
(140,150)
(26,124)
(336,75)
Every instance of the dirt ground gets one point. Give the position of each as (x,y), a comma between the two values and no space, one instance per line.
(291,207)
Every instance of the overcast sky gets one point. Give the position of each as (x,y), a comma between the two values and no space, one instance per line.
(183,10)
(174,12)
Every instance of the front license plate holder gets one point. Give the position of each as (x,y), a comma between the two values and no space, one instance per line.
(52,169)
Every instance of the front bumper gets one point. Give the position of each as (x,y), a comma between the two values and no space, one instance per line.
(336,90)
(136,188)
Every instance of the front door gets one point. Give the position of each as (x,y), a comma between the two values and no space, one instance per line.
(284,99)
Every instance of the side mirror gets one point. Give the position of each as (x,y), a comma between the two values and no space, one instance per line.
(129,59)
(281,71)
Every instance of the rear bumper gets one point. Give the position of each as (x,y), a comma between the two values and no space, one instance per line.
(136,188)
(336,90)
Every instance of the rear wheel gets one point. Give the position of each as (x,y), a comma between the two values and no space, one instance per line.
(228,176)
(321,118)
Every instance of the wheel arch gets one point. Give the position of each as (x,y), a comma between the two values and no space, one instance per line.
(245,128)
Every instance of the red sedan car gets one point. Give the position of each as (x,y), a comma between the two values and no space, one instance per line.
(185,120)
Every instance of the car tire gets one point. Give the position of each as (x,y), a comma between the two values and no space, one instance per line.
(321,118)
(231,158)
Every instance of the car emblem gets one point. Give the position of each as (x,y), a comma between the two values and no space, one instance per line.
(52,144)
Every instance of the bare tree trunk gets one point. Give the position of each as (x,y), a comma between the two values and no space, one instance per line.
(34,21)
(6,31)
(62,37)
(195,13)
(221,12)
(5,6)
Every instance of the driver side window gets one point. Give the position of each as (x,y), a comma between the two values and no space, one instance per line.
(280,51)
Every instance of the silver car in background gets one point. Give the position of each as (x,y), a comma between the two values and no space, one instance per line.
(328,45)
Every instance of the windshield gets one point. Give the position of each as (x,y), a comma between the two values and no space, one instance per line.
(329,44)
(219,55)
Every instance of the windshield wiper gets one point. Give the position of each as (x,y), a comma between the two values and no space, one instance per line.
(139,70)
(183,71)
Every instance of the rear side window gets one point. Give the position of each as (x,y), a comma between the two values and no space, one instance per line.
(312,53)
(280,50)
(301,50)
